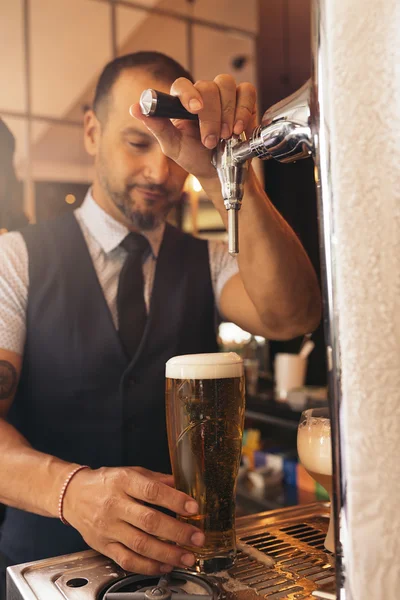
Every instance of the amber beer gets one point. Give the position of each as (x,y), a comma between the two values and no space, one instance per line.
(205,404)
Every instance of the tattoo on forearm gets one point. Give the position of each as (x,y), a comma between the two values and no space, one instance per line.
(8,380)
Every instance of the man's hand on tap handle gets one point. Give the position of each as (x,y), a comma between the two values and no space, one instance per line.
(107,507)
(223,108)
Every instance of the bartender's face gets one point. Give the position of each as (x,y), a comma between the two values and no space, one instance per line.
(135,182)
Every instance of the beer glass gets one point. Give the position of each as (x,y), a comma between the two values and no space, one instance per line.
(315,454)
(205,402)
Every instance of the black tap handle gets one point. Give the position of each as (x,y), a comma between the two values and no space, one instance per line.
(158,104)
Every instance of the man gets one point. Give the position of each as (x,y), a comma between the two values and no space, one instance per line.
(89,395)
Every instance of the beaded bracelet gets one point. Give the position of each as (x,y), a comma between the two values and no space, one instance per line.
(64,489)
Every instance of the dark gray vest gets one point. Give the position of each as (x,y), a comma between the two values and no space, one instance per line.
(79,396)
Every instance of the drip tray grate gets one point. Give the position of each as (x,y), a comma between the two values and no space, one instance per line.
(296,542)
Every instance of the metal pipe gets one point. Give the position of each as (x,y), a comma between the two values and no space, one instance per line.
(319,106)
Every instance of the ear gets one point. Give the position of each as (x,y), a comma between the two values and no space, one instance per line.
(91,132)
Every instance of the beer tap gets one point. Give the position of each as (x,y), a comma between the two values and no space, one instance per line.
(232,175)
(284,135)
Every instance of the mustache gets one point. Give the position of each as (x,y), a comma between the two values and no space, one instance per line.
(150,187)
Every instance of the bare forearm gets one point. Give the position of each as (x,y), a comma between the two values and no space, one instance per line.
(29,480)
(274,267)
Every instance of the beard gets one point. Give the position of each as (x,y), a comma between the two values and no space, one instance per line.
(152,215)
(142,219)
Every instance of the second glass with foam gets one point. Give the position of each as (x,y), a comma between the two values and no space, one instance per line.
(315,453)
(205,403)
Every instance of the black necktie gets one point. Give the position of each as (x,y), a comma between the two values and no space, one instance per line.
(131,306)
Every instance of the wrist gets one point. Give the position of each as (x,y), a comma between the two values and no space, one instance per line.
(66,507)
(54,473)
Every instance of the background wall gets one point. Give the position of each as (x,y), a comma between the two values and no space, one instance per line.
(56,50)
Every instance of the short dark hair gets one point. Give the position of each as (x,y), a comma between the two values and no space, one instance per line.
(159,65)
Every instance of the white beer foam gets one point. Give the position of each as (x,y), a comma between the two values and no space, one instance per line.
(216,365)
(314,445)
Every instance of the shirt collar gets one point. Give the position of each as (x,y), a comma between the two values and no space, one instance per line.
(108,232)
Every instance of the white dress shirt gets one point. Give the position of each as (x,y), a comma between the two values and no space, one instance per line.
(103,235)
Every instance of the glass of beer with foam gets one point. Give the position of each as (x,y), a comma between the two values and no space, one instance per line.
(205,403)
(315,454)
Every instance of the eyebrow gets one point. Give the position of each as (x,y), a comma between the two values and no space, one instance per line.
(134,131)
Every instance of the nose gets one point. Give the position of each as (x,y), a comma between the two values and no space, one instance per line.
(157,167)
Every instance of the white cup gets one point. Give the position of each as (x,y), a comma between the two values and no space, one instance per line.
(290,373)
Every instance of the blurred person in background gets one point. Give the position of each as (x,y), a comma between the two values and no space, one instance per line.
(12,214)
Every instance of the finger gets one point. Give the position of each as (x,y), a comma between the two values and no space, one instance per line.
(130,561)
(163,526)
(163,477)
(188,94)
(155,492)
(210,115)
(252,123)
(245,107)
(166,479)
(169,480)
(163,130)
(150,547)
(227,92)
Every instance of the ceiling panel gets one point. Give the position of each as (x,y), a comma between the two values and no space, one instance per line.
(231,13)
(12,63)
(152,32)
(71,42)
(226,49)
(181,7)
